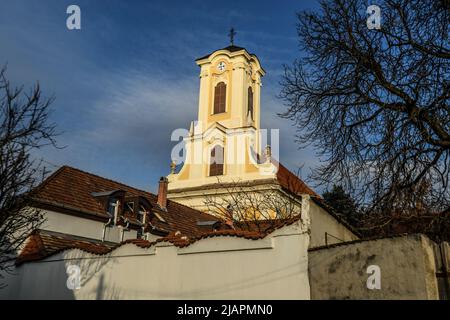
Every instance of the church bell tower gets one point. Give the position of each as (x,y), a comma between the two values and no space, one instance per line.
(223,145)
(230,87)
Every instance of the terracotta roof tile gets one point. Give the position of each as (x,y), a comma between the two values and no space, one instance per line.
(291,182)
(42,244)
(72,189)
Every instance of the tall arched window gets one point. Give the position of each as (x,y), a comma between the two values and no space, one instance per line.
(220,94)
(216,163)
(250,101)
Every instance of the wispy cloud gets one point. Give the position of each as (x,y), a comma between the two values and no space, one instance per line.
(128,78)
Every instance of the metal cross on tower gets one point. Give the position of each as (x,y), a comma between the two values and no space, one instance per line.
(231,35)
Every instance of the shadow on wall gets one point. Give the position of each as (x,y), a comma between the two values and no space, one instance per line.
(107,293)
(63,279)
(100,288)
(30,277)
(90,269)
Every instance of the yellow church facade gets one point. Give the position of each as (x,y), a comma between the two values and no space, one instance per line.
(227,132)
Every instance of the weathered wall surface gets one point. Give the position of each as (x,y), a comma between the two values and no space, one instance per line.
(275,267)
(407,265)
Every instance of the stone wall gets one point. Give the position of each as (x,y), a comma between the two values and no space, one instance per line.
(407,269)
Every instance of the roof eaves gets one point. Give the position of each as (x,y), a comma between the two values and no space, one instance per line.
(38,202)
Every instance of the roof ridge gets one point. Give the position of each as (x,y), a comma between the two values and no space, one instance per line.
(108,179)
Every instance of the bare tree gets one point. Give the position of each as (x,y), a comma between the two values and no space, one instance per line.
(375,102)
(24,127)
(410,213)
(247,206)
(343,203)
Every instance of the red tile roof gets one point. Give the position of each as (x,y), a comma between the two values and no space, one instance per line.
(291,182)
(42,244)
(71,189)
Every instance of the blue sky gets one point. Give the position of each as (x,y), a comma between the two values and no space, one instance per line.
(128,78)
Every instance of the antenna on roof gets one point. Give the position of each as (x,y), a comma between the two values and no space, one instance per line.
(231,35)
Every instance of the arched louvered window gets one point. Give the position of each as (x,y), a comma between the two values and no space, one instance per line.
(216,163)
(250,101)
(220,94)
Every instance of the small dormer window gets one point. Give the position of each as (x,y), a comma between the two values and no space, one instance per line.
(138,207)
(113,208)
(112,202)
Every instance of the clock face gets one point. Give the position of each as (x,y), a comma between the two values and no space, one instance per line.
(221,66)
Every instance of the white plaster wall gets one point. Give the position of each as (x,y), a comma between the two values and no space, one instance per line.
(82,227)
(213,268)
(321,222)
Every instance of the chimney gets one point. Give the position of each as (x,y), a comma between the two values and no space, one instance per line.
(162,192)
